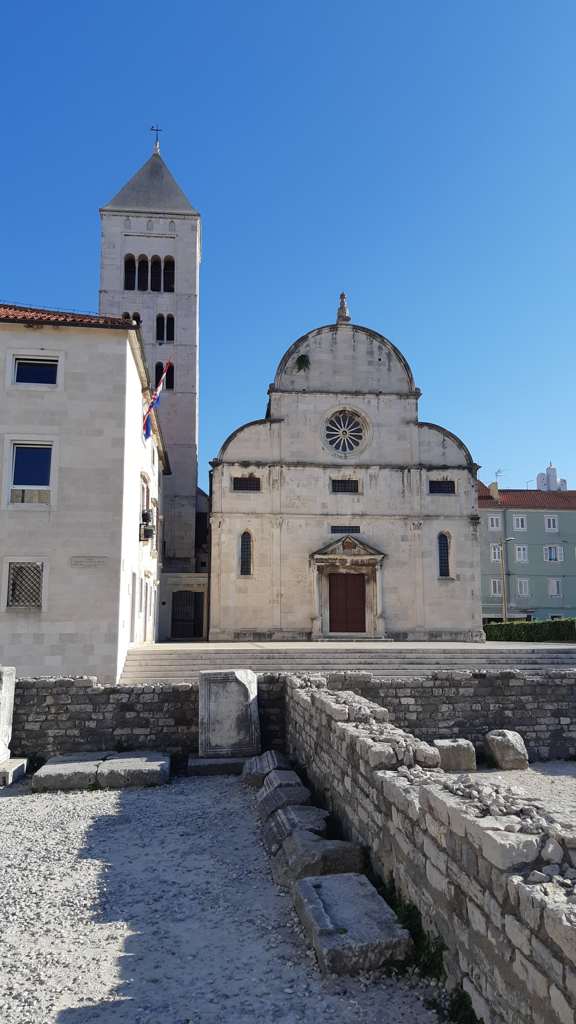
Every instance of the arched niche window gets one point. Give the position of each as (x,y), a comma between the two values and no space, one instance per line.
(150,225)
(443,555)
(155,274)
(158,373)
(142,273)
(172,227)
(170,378)
(129,273)
(169,274)
(169,327)
(159,327)
(137,318)
(246,554)
(127,224)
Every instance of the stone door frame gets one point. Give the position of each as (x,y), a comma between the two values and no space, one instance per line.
(348,555)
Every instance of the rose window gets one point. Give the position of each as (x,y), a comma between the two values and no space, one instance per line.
(344,432)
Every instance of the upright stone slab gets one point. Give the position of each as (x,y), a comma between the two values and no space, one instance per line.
(229,722)
(7,686)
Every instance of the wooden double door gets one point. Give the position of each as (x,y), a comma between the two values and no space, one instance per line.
(347,594)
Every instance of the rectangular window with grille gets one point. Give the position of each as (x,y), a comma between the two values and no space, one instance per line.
(246,483)
(344,486)
(25,585)
(441,487)
(344,529)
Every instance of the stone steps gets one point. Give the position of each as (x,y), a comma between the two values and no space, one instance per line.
(162,662)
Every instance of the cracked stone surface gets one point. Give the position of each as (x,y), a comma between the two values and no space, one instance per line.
(143,906)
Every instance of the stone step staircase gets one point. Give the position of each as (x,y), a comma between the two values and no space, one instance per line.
(149,663)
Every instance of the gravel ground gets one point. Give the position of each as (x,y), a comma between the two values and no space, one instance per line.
(552,781)
(157,907)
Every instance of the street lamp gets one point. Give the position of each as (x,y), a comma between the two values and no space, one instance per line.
(505,541)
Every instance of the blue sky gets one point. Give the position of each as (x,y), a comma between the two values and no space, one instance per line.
(419,156)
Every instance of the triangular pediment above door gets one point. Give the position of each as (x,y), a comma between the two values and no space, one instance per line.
(347,547)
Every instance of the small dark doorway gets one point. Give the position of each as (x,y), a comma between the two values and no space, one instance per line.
(347,602)
(187,615)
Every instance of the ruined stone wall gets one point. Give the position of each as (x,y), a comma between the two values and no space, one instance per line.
(540,705)
(64,715)
(461,856)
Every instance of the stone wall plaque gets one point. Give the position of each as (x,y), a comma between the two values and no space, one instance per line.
(88,561)
(229,722)
(7,686)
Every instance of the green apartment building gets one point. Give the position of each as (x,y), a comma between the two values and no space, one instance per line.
(528,553)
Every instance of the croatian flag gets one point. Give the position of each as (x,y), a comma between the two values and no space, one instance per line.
(154,401)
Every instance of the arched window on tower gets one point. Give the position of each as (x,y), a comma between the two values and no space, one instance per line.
(172,227)
(443,555)
(159,327)
(155,274)
(169,274)
(158,369)
(169,327)
(142,273)
(246,554)
(170,378)
(129,273)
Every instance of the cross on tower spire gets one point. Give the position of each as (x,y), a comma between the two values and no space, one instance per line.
(157,130)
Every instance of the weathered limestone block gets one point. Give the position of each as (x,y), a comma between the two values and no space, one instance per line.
(13,769)
(135,768)
(291,819)
(228,706)
(257,768)
(352,929)
(7,686)
(507,748)
(69,771)
(281,788)
(456,755)
(305,853)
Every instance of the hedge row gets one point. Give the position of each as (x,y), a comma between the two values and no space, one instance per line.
(549,629)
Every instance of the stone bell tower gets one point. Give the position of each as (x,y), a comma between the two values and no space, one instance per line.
(149,269)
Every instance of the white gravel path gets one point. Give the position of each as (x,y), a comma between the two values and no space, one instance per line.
(157,907)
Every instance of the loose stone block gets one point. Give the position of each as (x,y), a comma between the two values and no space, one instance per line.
(351,928)
(135,768)
(229,722)
(257,768)
(304,854)
(69,771)
(280,789)
(7,686)
(507,748)
(456,755)
(291,819)
(13,769)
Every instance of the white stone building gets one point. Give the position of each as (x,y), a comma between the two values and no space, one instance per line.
(339,514)
(80,494)
(149,271)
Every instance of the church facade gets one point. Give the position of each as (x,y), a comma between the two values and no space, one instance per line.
(340,515)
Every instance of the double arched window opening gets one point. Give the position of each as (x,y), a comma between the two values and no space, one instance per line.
(164,327)
(443,555)
(158,371)
(155,274)
(246,554)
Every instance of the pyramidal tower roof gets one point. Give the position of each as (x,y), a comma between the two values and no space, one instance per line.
(153,190)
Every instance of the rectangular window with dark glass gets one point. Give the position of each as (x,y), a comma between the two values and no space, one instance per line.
(246,483)
(344,486)
(344,529)
(31,469)
(35,371)
(441,487)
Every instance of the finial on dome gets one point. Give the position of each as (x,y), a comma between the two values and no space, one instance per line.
(343,314)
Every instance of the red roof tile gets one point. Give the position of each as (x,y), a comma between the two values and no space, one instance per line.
(58,318)
(512,498)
